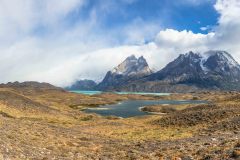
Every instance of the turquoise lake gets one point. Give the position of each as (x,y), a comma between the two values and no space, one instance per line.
(87,92)
(99,92)
(131,108)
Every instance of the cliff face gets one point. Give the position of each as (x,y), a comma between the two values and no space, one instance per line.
(130,69)
(212,70)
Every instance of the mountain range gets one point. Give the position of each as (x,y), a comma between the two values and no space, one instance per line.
(190,72)
(84,85)
(131,69)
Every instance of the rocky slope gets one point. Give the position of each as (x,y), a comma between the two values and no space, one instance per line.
(192,72)
(213,69)
(130,69)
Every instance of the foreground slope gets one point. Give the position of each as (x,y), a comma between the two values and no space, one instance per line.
(47,123)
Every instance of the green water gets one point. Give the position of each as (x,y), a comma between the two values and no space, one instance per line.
(141,93)
(87,92)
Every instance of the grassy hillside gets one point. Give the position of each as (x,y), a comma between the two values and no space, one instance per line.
(47,123)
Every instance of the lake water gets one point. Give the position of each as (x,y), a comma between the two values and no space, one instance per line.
(130,108)
(99,92)
(87,92)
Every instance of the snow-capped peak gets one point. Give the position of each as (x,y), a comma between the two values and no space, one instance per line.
(211,61)
(222,57)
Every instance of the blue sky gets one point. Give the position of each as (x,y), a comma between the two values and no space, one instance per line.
(61,41)
(167,14)
(116,14)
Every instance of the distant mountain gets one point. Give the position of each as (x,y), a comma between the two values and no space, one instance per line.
(30,84)
(212,69)
(130,69)
(132,66)
(83,85)
(189,72)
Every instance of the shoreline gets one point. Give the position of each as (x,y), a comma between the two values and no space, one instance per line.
(97,108)
(156,113)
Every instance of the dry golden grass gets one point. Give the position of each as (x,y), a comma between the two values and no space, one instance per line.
(140,129)
(50,124)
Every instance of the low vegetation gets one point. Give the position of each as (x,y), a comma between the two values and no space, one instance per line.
(165,109)
(47,123)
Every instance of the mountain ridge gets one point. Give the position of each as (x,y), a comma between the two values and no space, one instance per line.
(130,69)
(211,70)
(218,67)
(189,72)
(83,85)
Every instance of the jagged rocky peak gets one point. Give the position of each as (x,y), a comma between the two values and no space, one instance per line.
(191,54)
(220,61)
(132,66)
(190,57)
(208,70)
(201,68)
(130,69)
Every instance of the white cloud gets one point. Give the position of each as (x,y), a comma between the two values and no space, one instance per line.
(223,36)
(139,31)
(182,40)
(19,19)
(228,29)
(206,28)
(65,55)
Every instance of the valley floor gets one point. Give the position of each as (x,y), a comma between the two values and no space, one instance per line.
(43,123)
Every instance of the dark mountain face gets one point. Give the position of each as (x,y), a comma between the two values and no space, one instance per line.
(189,72)
(223,63)
(184,67)
(130,69)
(213,69)
(83,85)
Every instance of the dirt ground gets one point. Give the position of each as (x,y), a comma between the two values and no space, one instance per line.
(48,123)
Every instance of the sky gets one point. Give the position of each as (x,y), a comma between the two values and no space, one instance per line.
(61,41)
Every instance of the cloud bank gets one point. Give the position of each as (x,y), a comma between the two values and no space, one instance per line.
(43,41)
